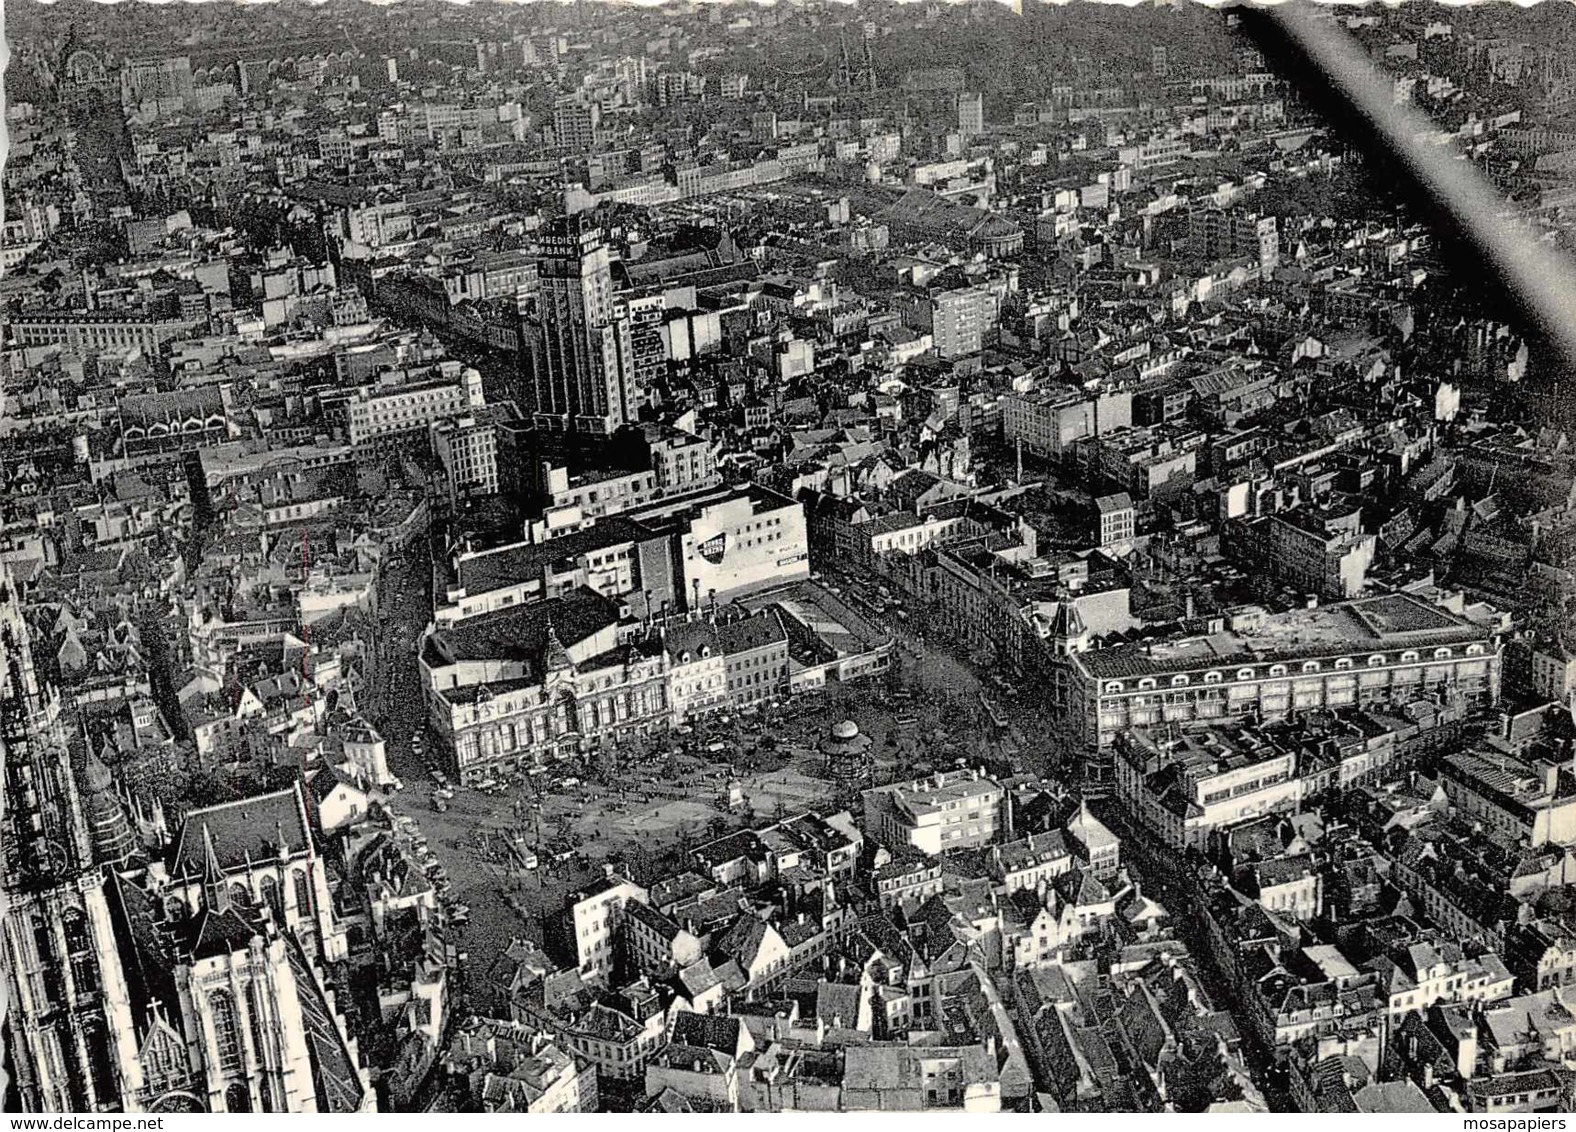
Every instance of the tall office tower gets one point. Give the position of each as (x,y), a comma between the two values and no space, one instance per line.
(68,1024)
(582,368)
(971,113)
(575,123)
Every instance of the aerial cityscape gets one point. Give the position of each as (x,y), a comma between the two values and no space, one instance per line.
(781,557)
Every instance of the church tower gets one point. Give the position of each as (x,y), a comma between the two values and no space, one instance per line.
(68,1021)
(109,830)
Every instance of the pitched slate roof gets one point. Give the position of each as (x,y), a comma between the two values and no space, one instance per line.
(334,1072)
(148,966)
(706,1031)
(248,830)
(521,633)
(214,932)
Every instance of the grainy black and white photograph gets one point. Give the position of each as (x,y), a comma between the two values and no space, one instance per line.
(788,557)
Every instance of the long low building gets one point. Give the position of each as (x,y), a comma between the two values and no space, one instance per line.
(1393,648)
(106,331)
(378,412)
(241,465)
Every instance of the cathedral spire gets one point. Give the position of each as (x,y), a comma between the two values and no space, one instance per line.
(215,890)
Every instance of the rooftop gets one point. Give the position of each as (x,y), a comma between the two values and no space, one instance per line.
(521,633)
(1389,621)
(523,562)
(249,830)
(930,793)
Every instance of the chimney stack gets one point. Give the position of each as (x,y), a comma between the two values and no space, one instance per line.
(1550,773)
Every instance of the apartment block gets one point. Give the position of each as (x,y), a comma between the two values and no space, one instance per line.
(958,809)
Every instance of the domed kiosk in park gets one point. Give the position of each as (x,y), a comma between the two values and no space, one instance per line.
(849,762)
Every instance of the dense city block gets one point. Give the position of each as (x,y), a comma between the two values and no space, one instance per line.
(778,557)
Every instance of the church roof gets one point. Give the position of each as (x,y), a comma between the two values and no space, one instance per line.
(338,1081)
(216,931)
(148,967)
(247,830)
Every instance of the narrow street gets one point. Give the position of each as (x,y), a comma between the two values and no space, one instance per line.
(405,606)
(470,838)
(1162,874)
